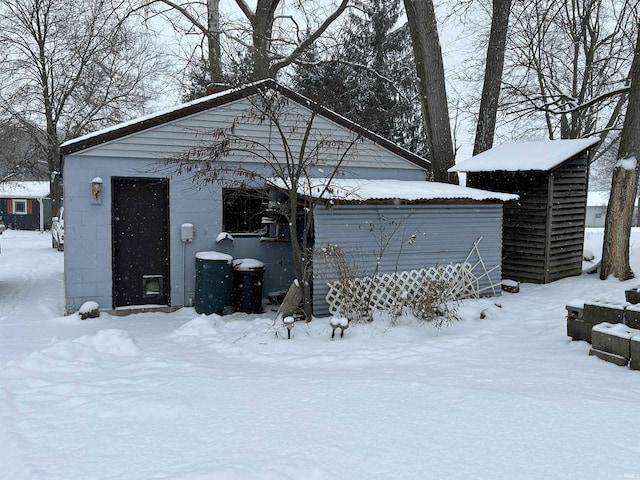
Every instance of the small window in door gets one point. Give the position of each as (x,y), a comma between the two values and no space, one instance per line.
(243,210)
(20,207)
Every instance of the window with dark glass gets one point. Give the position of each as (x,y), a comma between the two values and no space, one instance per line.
(243,210)
(20,207)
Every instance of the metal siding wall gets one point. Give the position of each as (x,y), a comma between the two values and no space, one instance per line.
(444,235)
(170,139)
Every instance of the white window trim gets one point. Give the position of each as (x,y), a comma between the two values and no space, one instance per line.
(16,202)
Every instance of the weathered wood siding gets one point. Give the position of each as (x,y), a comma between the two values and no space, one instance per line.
(544,229)
(568,217)
(444,234)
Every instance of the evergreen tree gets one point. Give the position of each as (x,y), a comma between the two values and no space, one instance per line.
(368,80)
(197,81)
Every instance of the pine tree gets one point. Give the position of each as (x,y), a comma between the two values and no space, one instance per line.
(368,80)
(197,81)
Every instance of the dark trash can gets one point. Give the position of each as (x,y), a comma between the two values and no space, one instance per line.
(214,281)
(248,277)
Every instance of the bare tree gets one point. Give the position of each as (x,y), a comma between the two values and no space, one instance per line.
(624,186)
(489,102)
(431,87)
(566,65)
(284,161)
(20,156)
(272,39)
(69,68)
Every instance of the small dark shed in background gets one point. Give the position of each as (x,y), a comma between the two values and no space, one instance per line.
(543,231)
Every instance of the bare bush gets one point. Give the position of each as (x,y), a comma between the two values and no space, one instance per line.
(429,300)
(354,307)
(434,302)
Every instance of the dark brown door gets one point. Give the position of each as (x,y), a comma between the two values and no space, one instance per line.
(140,233)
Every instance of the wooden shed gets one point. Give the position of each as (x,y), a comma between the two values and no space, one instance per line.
(543,231)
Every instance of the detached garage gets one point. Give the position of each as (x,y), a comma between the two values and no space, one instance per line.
(135,223)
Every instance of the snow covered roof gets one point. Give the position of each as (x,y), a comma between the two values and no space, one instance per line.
(360,190)
(24,190)
(525,156)
(222,98)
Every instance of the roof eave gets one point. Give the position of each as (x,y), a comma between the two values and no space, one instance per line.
(232,95)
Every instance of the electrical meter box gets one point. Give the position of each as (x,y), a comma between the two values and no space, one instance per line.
(186,232)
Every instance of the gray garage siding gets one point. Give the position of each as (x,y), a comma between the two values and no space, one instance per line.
(193,131)
(444,234)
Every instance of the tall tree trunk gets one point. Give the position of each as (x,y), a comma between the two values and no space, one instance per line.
(617,229)
(485,129)
(213,40)
(423,29)
(262,25)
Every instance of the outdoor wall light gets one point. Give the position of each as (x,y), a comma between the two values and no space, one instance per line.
(96,190)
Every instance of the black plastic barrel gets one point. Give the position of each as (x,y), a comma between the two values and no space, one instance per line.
(214,281)
(248,277)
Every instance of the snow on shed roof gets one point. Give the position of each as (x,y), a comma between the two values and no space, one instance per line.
(525,156)
(24,189)
(359,190)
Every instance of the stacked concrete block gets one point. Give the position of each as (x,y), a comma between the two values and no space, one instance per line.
(632,316)
(634,344)
(612,328)
(577,329)
(632,295)
(612,342)
(597,312)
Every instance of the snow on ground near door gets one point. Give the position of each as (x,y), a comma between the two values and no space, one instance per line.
(182,396)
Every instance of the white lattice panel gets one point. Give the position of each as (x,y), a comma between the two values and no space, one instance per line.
(385,292)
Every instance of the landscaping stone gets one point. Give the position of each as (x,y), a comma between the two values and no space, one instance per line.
(575,308)
(578,329)
(89,310)
(510,286)
(596,312)
(613,338)
(632,295)
(632,316)
(609,357)
(634,364)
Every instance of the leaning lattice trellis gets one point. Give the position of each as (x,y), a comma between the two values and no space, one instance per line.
(391,292)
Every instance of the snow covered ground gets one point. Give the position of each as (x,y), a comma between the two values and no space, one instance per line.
(182,396)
